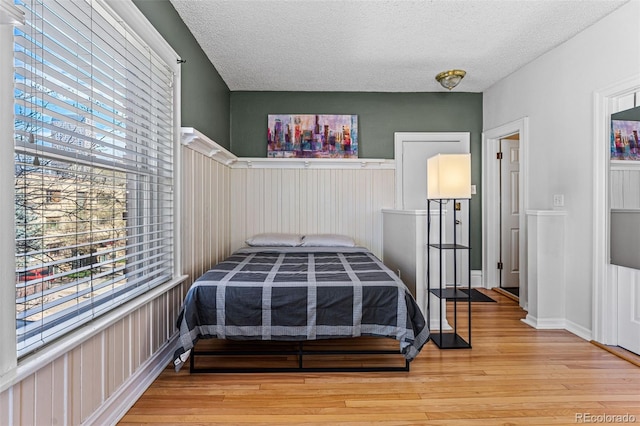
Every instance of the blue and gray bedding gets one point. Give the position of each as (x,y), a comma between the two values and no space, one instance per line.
(298,294)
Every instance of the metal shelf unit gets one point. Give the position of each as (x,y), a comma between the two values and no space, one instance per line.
(449,339)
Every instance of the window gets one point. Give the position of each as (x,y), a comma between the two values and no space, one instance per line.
(94,167)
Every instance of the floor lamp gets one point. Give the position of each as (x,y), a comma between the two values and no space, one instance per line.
(448,179)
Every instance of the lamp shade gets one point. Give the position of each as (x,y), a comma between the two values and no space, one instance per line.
(449,176)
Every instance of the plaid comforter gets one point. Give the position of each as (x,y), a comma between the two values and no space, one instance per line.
(300,293)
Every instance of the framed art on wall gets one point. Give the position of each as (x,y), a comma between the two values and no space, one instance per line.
(625,140)
(312,136)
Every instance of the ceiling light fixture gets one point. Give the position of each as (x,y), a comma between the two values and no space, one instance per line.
(450,79)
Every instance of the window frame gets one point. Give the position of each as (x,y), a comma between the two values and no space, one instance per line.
(13,370)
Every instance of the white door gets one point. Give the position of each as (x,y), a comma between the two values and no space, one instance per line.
(510,212)
(629,309)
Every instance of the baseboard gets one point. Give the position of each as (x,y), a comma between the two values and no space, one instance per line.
(557,324)
(621,353)
(578,330)
(117,405)
(435,324)
(544,324)
(476,278)
(506,294)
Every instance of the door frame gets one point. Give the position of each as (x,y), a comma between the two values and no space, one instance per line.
(491,203)
(604,327)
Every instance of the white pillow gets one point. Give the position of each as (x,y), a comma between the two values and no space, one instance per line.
(327,240)
(274,240)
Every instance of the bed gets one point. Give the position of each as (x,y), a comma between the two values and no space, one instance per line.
(300,294)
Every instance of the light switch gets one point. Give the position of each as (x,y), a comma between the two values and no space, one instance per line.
(558,200)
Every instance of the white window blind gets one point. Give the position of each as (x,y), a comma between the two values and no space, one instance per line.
(94,167)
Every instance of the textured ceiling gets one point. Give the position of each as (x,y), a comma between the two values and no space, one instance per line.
(379,45)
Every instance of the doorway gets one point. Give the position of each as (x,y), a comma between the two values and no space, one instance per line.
(509,260)
(491,207)
(616,290)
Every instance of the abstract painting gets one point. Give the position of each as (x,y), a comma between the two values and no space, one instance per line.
(312,136)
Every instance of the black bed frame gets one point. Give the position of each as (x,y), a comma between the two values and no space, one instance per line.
(300,352)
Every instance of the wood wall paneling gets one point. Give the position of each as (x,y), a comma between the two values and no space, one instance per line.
(625,189)
(72,387)
(26,401)
(344,201)
(205,212)
(42,395)
(5,407)
(91,375)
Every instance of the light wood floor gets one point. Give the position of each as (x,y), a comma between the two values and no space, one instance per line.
(513,375)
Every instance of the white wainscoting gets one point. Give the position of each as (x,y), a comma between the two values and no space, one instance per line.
(311,200)
(546,272)
(75,386)
(625,185)
(205,212)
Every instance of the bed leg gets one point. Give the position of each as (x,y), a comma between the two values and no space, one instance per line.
(300,354)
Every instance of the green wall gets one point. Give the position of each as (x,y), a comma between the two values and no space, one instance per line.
(380,115)
(632,114)
(204,95)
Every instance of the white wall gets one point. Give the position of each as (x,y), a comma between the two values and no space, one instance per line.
(556,92)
